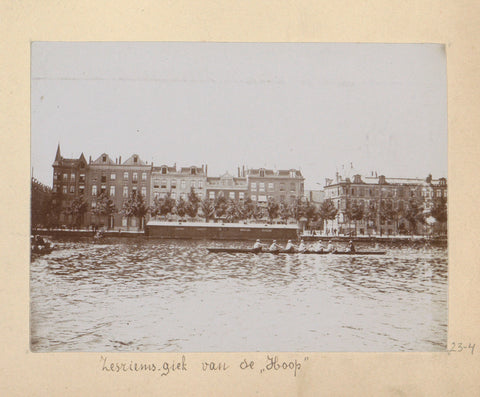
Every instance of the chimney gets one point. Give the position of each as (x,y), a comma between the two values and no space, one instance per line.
(238,172)
(206,169)
(90,160)
(243,171)
(119,159)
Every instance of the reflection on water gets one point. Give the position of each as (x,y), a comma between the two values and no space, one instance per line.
(152,295)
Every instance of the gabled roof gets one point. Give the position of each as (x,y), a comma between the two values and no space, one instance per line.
(134,159)
(104,159)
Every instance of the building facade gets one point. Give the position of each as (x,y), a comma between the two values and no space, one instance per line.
(228,186)
(178,182)
(374,192)
(280,185)
(117,181)
(69,182)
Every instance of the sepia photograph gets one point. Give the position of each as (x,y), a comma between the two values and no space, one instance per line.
(238,197)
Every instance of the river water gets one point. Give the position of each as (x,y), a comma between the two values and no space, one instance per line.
(172,295)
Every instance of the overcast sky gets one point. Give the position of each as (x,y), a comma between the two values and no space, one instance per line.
(382,107)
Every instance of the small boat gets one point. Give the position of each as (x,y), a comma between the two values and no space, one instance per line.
(41,246)
(257,251)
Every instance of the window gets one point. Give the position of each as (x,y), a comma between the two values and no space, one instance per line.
(444,193)
(193,184)
(112,191)
(200,196)
(183,196)
(72,189)
(200,184)
(156,183)
(254,197)
(104,178)
(104,158)
(94,190)
(135,159)
(134,189)
(144,176)
(292,174)
(241,195)
(65,177)
(270,186)
(174,195)
(103,189)
(439,193)
(94,204)
(261,186)
(173,184)
(232,195)
(125,191)
(253,186)
(144,191)
(211,195)
(292,187)
(262,173)
(193,171)
(125,176)
(135,177)
(82,178)
(164,170)
(81,189)
(163,185)
(183,184)
(113,177)
(72,177)
(124,221)
(282,187)
(156,195)
(55,176)
(262,198)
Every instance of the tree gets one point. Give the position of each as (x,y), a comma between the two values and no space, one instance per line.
(356,214)
(284,212)
(162,206)
(414,214)
(105,207)
(135,206)
(192,204)
(208,208)
(310,212)
(233,211)
(249,208)
(371,214)
(327,210)
(181,207)
(220,205)
(439,210)
(77,209)
(272,209)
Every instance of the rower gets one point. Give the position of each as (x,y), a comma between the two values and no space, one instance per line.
(290,247)
(302,247)
(330,247)
(318,247)
(274,247)
(351,247)
(258,245)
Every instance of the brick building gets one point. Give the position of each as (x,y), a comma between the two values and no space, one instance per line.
(69,181)
(376,191)
(118,181)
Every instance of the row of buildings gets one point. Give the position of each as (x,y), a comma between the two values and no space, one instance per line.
(119,179)
(78,177)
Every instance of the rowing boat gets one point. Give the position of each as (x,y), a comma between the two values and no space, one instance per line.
(258,251)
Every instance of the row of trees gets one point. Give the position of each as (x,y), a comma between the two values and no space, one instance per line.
(229,210)
(413,213)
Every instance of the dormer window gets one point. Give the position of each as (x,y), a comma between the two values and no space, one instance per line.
(292,174)
(262,173)
(164,170)
(193,171)
(104,158)
(135,159)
